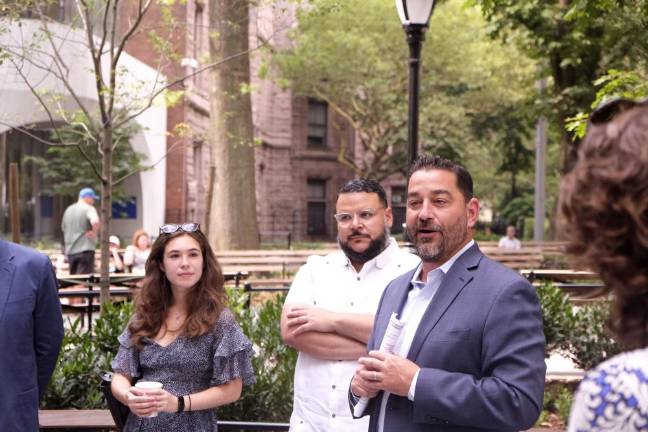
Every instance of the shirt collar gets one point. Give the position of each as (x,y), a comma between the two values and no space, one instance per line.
(445,267)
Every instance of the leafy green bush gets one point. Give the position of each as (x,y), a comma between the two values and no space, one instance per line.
(558,398)
(270,399)
(558,317)
(577,331)
(76,378)
(590,342)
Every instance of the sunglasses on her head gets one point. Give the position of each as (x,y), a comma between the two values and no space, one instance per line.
(613,107)
(185,227)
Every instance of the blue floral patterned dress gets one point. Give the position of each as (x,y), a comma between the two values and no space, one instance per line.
(613,396)
(187,366)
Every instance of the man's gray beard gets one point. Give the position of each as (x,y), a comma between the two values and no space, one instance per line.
(431,252)
(374,249)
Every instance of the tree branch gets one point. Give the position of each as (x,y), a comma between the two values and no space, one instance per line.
(124,177)
(149,103)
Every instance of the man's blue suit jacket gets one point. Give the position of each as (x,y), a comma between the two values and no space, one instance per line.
(31,330)
(481,349)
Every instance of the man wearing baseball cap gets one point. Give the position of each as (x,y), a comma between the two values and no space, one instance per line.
(80,226)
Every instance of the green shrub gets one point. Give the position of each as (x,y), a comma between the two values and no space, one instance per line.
(590,342)
(578,332)
(564,402)
(558,399)
(76,378)
(558,317)
(270,399)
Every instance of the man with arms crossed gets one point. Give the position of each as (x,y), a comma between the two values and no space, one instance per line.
(471,355)
(328,314)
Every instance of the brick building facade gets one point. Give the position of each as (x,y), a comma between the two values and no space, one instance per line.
(297,170)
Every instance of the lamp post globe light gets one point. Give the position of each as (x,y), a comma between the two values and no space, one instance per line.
(414,15)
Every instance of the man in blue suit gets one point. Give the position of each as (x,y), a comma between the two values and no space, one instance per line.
(471,354)
(31,331)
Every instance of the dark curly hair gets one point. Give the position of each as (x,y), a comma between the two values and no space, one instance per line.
(206,301)
(604,203)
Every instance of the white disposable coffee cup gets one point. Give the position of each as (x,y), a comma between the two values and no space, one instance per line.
(149,385)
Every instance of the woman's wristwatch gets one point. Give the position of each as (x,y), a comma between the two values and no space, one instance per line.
(181,406)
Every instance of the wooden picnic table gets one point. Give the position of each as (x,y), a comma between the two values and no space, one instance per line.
(581,286)
(126,279)
(93,279)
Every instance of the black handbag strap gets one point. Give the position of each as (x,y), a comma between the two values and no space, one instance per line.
(118,410)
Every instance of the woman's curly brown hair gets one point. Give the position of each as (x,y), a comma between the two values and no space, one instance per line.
(206,301)
(604,201)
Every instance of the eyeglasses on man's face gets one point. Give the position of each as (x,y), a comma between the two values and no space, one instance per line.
(364,216)
(185,227)
(610,109)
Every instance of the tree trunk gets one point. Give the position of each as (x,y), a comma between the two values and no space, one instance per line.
(106,211)
(233,222)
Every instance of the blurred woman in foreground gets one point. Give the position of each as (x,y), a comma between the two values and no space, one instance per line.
(604,201)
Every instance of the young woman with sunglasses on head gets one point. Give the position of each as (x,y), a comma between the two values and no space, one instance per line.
(604,202)
(182,336)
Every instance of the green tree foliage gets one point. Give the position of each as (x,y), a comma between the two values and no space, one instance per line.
(577,41)
(614,84)
(65,177)
(353,55)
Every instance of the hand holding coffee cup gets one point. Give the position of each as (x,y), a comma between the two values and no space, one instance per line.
(144,398)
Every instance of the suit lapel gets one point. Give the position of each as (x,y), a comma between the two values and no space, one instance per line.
(7,269)
(459,276)
(395,300)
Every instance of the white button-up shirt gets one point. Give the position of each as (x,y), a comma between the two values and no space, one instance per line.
(331,282)
(418,300)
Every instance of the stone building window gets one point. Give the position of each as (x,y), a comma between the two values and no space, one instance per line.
(398,204)
(317,123)
(316,217)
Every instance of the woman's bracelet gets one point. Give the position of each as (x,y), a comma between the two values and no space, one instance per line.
(189,396)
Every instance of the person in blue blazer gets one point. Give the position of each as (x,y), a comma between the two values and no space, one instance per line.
(470,356)
(31,331)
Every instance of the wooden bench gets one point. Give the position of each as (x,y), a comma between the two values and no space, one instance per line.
(270,282)
(526,257)
(557,275)
(76,419)
(80,419)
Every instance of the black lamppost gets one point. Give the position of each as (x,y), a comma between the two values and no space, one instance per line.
(415,15)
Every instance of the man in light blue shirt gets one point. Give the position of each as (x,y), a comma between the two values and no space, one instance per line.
(470,357)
